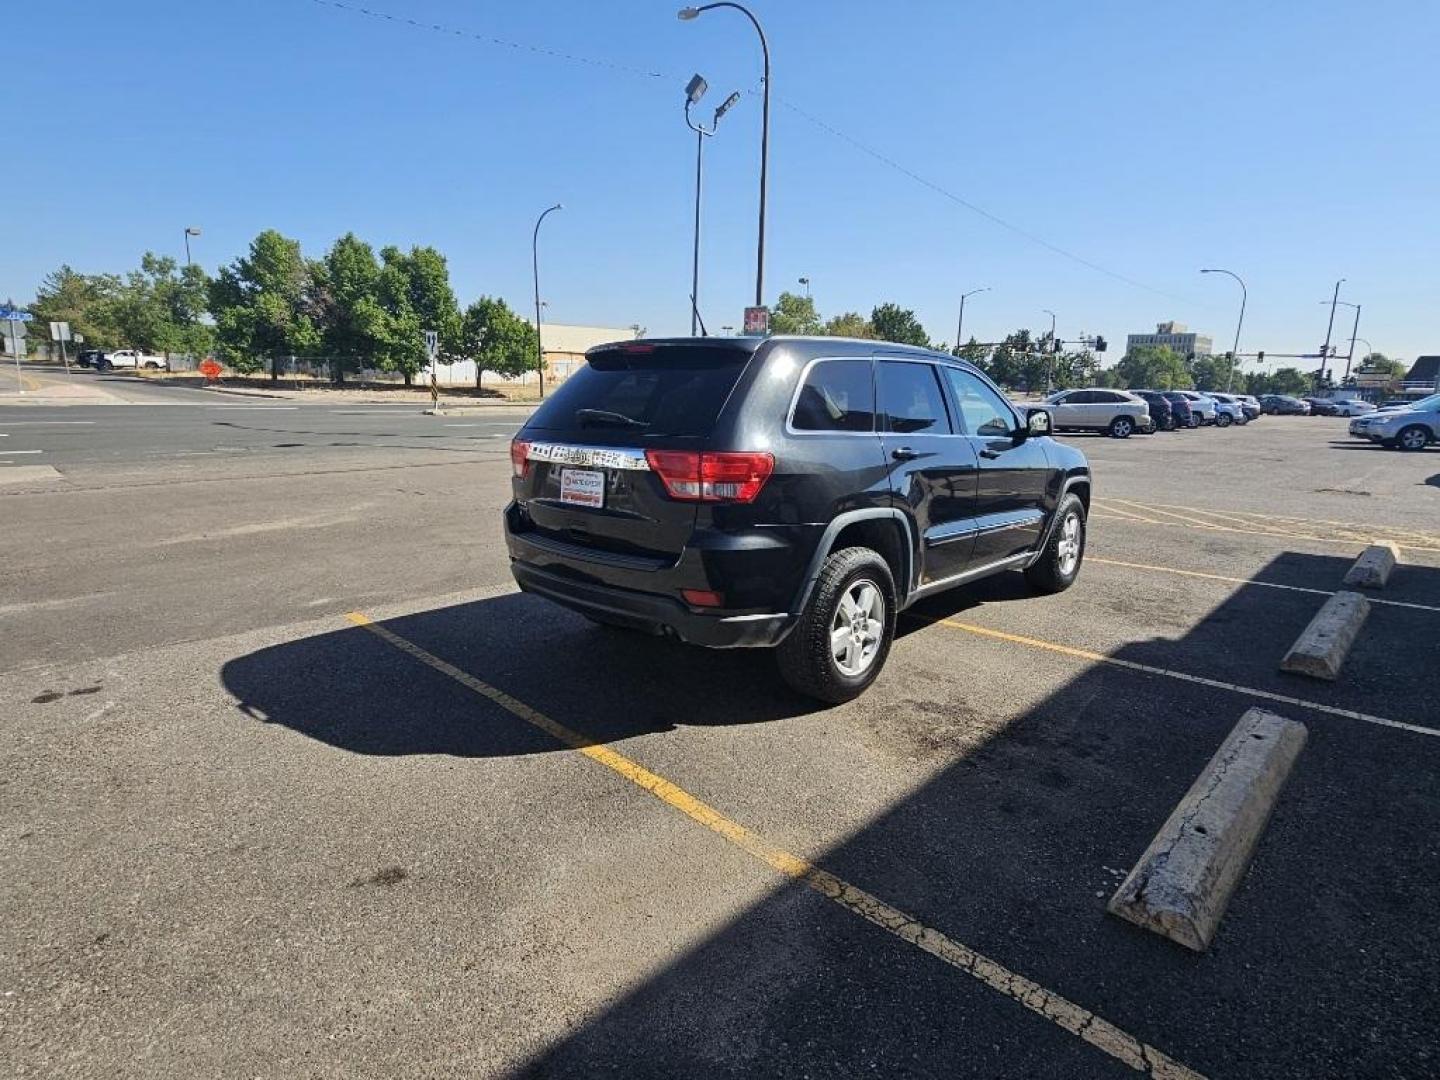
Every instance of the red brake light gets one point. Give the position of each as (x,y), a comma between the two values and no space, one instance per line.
(637,348)
(712,477)
(703,598)
(519,456)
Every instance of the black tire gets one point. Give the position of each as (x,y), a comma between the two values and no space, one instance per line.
(106,365)
(1223,419)
(1414,437)
(1122,427)
(1194,421)
(806,657)
(1054,572)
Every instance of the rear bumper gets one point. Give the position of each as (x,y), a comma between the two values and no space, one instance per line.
(650,613)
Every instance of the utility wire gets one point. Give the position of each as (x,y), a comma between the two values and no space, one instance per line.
(828,128)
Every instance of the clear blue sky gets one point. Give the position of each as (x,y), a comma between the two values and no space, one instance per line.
(1292,143)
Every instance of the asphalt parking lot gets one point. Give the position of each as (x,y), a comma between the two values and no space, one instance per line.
(294,782)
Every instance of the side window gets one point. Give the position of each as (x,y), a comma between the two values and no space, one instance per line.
(984,412)
(911,400)
(838,395)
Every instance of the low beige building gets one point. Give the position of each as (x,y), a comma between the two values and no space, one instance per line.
(564,347)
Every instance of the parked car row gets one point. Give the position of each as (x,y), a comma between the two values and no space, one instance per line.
(1122,413)
(1286,405)
(1412,425)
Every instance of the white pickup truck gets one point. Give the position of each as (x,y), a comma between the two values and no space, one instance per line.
(132,358)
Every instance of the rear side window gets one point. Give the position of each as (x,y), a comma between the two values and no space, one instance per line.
(911,400)
(838,395)
(645,390)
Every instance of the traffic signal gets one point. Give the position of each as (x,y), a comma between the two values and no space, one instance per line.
(1260,356)
(1099,344)
(1230,356)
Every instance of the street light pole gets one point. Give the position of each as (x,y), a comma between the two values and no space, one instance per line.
(960,326)
(1050,366)
(535,262)
(1235,349)
(1353,331)
(694,91)
(190,231)
(1325,349)
(688,13)
(806,282)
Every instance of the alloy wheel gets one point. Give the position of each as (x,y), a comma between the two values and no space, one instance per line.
(858,627)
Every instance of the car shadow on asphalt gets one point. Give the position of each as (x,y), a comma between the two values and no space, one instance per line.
(1011,846)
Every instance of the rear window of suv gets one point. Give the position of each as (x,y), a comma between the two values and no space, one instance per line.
(645,390)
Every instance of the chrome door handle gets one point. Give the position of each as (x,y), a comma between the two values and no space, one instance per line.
(903,453)
(991,454)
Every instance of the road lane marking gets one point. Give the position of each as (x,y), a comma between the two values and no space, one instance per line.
(1404,544)
(251,408)
(377,412)
(24,451)
(1066,1014)
(35,423)
(1252,581)
(1170,673)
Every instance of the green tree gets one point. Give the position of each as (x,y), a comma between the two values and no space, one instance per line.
(83,300)
(973,351)
(353,323)
(160,308)
(1011,362)
(414,292)
(891,322)
(795,315)
(1213,372)
(1154,367)
(851,324)
(267,304)
(497,339)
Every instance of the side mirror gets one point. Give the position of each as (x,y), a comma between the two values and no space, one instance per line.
(1037,422)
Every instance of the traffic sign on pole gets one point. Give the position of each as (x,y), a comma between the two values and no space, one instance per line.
(432,347)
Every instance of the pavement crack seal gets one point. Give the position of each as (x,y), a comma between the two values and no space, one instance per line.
(1095,1030)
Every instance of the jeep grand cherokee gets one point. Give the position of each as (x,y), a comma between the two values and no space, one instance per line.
(787,492)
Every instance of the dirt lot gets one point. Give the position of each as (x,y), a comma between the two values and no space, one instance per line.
(293,783)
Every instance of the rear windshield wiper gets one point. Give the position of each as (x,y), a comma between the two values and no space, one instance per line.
(605,416)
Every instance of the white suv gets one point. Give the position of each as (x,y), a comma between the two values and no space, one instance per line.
(1202,406)
(132,358)
(1119,413)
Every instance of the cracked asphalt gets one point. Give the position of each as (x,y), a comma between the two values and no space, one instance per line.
(242,837)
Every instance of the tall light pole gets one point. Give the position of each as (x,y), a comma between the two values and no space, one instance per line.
(1354,330)
(960,326)
(694,91)
(1050,367)
(688,13)
(190,230)
(535,261)
(806,282)
(1325,349)
(1235,349)
(1369,350)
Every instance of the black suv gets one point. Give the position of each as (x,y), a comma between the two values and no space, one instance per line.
(749,491)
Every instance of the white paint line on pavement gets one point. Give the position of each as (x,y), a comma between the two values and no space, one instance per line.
(251,408)
(1251,581)
(34,423)
(24,451)
(376,412)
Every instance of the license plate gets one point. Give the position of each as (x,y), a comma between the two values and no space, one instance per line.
(582,487)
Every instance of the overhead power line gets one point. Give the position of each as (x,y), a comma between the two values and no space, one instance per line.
(828,128)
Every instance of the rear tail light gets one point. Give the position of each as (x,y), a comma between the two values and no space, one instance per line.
(703,598)
(519,456)
(711,477)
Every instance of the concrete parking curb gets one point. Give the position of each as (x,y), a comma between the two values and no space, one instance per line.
(1322,646)
(1374,566)
(1184,880)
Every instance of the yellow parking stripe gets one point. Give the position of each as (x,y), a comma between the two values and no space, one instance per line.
(1169,673)
(1058,1010)
(1252,581)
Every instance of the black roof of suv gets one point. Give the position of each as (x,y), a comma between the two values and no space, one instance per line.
(785,491)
